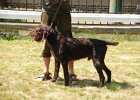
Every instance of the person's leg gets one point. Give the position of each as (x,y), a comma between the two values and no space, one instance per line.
(70,67)
(45,54)
(46,59)
(46,64)
(73,79)
(46,75)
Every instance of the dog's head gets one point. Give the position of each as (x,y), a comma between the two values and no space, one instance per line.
(39,32)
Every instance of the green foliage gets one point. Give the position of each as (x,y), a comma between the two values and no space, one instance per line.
(9,37)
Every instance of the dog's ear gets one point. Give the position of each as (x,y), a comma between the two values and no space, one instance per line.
(33,32)
(39,31)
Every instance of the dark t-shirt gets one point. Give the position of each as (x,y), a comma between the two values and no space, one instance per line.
(50,6)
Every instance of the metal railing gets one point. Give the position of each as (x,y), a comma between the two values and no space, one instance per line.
(86,6)
(21,5)
(77,18)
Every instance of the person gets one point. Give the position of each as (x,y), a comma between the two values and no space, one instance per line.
(138,9)
(63,24)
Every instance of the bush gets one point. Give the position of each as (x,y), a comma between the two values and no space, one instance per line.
(8,37)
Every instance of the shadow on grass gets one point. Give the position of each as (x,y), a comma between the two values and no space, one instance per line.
(113,86)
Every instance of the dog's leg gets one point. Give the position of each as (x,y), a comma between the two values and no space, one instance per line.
(108,73)
(98,67)
(66,73)
(56,71)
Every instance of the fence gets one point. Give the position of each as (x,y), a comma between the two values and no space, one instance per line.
(86,6)
(77,18)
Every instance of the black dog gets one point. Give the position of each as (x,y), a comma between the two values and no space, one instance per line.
(66,49)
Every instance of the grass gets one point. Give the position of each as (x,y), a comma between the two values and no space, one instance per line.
(20,64)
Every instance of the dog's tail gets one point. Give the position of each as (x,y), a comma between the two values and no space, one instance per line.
(111,43)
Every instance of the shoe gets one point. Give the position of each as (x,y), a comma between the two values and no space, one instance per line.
(44,77)
(73,79)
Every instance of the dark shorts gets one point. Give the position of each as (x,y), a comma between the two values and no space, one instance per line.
(62,24)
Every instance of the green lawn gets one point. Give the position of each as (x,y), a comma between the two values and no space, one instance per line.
(20,64)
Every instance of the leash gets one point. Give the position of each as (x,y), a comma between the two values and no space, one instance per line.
(54,18)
